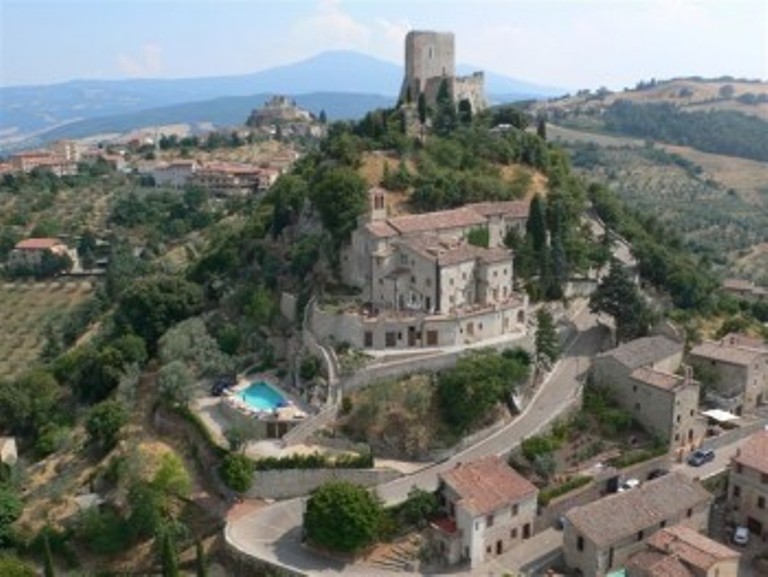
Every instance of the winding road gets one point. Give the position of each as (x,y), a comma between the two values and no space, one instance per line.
(273,533)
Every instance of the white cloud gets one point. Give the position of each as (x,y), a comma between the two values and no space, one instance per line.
(149,61)
(331,28)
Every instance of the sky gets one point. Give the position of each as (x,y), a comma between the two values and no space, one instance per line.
(564,43)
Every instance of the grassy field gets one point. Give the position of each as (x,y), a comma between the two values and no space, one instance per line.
(25,311)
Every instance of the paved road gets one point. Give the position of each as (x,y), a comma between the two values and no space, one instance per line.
(274,532)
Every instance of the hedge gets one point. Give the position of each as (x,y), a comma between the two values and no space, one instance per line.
(546,495)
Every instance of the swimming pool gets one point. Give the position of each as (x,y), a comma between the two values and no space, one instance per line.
(262,397)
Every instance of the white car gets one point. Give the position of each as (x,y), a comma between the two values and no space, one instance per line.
(741,536)
(628,484)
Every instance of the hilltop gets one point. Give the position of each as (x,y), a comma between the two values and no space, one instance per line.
(691,152)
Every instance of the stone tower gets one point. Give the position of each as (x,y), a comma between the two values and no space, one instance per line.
(429,58)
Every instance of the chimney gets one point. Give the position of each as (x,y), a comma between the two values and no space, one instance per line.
(688,374)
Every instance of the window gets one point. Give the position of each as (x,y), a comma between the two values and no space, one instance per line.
(515,509)
(739,468)
(634,388)
(736,491)
(689,513)
(513,533)
(413,279)
(489,521)
(764,478)
(390,339)
(691,412)
(761,502)
(580,543)
(640,535)
(663,523)
(637,406)
(368,339)
(677,418)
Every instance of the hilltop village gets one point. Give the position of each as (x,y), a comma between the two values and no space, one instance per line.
(418,343)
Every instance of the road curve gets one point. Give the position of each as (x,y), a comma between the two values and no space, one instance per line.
(273,533)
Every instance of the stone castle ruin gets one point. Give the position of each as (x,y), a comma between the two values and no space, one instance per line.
(430,59)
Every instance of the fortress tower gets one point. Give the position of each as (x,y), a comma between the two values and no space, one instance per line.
(430,58)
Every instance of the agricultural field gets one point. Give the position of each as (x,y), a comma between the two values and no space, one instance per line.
(26,310)
(719,204)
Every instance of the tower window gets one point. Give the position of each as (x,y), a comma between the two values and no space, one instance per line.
(430,53)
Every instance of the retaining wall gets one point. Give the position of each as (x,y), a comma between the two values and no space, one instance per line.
(286,484)
(734,435)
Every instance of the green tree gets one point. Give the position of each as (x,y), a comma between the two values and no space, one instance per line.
(153,304)
(479,237)
(200,564)
(104,423)
(10,510)
(547,343)
(174,382)
(29,402)
(445,119)
(465,111)
(14,567)
(343,517)
(541,128)
(340,197)
(47,557)
(422,108)
(169,558)
(477,383)
(236,471)
(536,226)
(171,478)
(323,117)
(619,297)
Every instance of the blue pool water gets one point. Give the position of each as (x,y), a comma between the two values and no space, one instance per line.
(262,397)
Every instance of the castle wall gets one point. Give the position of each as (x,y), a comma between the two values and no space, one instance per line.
(427,55)
(471,88)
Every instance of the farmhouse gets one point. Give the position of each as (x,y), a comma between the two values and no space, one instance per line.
(748,485)
(29,253)
(641,377)
(740,367)
(600,536)
(423,283)
(490,508)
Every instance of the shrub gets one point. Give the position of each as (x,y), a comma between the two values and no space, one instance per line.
(637,456)
(538,445)
(236,471)
(546,495)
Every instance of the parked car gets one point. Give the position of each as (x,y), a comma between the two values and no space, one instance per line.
(628,484)
(741,536)
(701,456)
(656,473)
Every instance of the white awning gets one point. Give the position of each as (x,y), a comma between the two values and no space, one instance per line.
(720,416)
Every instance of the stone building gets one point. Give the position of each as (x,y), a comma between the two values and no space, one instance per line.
(602,535)
(679,551)
(423,284)
(29,252)
(490,509)
(430,59)
(748,485)
(740,366)
(174,174)
(640,376)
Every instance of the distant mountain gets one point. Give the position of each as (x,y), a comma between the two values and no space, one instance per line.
(225,111)
(35,109)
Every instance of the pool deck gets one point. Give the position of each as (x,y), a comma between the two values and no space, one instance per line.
(293,412)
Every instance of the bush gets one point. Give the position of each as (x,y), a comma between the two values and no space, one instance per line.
(103,532)
(539,445)
(546,495)
(236,471)
(637,456)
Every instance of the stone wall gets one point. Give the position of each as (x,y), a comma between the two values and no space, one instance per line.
(287,484)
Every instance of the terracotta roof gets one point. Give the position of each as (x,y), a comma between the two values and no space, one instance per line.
(691,547)
(488,484)
(644,351)
(380,229)
(448,252)
(455,218)
(621,515)
(38,243)
(513,208)
(726,353)
(655,564)
(658,379)
(754,453)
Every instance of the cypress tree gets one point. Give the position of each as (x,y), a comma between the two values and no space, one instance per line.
(535,227)
(48,559)
(202,570)
(168,556)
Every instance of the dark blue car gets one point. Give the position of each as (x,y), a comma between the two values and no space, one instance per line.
(700,456)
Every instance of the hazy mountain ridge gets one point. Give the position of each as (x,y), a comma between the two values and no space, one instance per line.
(27,109)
